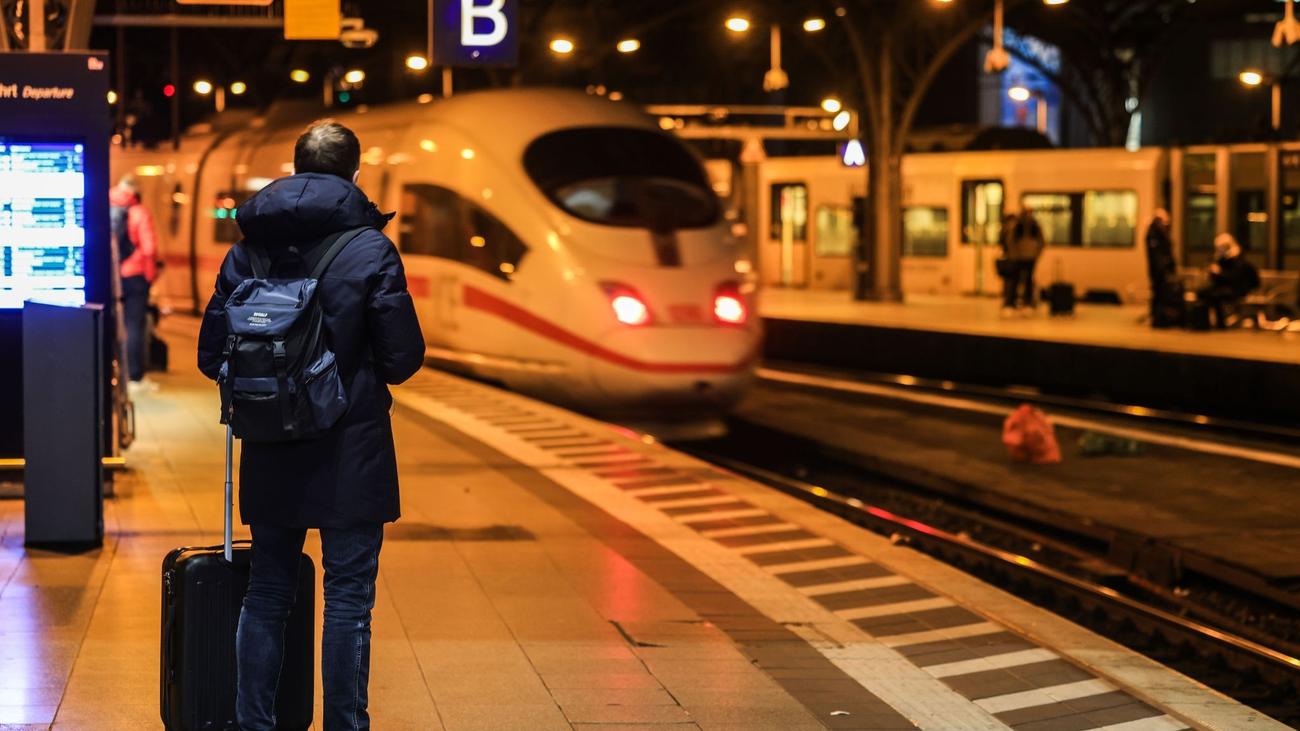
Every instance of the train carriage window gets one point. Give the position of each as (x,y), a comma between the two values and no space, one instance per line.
(1056,214)
(789,208)
(981,211)
(439,222)
(621,176)
(836,232)
(1109,218)
(1094,219)
(925,231)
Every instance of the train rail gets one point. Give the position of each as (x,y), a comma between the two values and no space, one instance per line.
(1054,569)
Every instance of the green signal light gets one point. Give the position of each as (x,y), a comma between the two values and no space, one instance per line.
(345,97)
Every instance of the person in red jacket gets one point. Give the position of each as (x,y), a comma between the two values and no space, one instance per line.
(137,249)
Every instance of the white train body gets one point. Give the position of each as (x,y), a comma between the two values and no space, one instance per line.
(1094,205)
(513,282)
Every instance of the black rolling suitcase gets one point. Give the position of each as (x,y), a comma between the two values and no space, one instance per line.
(1060,296)
(1060,299)
(203,589)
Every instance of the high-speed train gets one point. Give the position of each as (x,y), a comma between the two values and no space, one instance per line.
(557,243)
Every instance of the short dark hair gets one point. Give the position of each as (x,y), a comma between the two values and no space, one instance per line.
(327,147)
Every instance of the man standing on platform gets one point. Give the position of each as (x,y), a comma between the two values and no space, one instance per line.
(137,251)
(1166,293)
(343,482)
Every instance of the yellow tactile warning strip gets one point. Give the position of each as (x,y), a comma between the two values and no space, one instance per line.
(939,663)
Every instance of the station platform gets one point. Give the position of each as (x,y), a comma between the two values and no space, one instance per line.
(553,572)
(1103,350)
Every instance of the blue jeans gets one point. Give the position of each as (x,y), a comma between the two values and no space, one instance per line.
(351,562)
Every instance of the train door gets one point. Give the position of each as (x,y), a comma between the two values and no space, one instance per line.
(788,233)
(982,205)
(834,233)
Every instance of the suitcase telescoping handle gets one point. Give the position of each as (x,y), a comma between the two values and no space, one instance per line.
(230,490)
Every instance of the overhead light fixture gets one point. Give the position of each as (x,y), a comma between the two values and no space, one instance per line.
(628,45)
(812,25)
(831,105)
(299,76)
(1251,77)
(562,46)
(203,87)
(737,24)
(841,121)
(238,88)
(1020,93)
(417,62)
(355,76)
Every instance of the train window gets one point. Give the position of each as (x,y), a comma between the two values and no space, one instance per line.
(1109,218)
(1056,216)
(623,177)
(174,219)
(789,208)
(836,232)
(490,244)
(430,221)
(1092,219)
(439,222)
(925,231)
(981,211)
(224,214)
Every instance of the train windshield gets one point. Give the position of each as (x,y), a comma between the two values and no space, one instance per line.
(620,176)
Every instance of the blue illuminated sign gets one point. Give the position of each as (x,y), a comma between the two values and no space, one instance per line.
(476,33)
(42,222)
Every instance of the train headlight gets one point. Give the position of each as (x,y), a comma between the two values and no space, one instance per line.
(628,306)
(729,306)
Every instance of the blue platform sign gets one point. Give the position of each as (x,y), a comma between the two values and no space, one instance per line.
(476,33)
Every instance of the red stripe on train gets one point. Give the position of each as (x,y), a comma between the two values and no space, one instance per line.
(478,299)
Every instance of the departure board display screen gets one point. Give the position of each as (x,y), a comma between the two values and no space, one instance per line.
(42,222)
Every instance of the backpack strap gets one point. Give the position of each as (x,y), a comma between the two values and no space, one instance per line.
(258,258)
(333,246)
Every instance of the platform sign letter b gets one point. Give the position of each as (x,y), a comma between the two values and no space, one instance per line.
(471,10)
(476,33)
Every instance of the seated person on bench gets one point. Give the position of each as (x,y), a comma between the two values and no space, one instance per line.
(1231,278)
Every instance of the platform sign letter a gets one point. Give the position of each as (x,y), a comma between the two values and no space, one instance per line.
(470,11)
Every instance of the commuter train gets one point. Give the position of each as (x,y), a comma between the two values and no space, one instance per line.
(557,243)
(1094,206)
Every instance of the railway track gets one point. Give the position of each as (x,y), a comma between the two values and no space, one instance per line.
(1257,663)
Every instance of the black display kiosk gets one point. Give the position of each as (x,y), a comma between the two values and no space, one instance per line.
(54,220)
(54,118)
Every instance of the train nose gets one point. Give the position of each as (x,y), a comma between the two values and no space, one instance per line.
(675,372)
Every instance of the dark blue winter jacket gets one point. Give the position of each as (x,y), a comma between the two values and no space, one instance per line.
(348,476)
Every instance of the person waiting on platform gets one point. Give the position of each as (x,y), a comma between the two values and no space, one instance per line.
(1022,244)
(1231,278)
(1166,291)
(137,252)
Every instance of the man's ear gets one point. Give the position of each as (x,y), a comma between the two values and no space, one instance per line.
(356,176)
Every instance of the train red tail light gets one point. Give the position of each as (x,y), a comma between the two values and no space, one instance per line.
(729,306)
(629,308)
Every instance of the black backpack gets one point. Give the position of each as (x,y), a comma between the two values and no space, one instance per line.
(279,380)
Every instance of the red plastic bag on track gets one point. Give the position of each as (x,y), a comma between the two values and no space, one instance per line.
(1030,437)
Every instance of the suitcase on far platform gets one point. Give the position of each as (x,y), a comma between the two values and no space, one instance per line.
(1198,316)
(1060,299)
(203,590)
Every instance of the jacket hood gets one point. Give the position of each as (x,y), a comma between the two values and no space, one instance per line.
(305,207)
